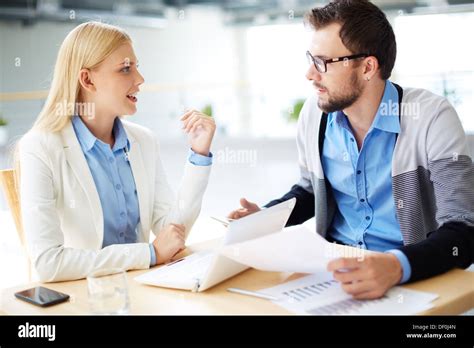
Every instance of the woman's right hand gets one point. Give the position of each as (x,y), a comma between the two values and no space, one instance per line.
(169,242)
(247,209)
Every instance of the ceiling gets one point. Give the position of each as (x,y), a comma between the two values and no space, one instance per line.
(151,13)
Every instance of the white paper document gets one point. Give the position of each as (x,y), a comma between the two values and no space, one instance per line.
(295,249)
(320,294)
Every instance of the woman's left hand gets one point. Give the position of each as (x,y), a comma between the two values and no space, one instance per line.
(201,129)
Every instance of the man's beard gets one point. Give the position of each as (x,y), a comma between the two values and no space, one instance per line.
(348,95)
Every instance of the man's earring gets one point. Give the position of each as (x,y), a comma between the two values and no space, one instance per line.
(367,78)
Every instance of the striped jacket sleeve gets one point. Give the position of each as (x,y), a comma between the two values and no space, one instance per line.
(451,173)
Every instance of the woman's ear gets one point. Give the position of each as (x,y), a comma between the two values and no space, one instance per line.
(85,79)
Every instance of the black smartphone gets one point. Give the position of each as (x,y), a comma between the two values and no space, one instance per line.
(41,296)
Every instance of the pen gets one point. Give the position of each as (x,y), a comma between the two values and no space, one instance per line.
(225,223)
(253,293)
(173,262)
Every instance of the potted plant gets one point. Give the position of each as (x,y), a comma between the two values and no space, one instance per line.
(293,112)
(207,110)
(3,131)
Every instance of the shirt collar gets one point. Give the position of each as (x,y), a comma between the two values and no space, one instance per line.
(121,139)
(340,118)
(387,116)
(87,140)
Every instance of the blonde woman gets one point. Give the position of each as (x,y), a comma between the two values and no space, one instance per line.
(92,184)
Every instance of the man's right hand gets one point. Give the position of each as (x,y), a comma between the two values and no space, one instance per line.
(247,209)
(169,242)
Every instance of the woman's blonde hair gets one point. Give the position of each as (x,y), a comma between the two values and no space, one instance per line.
(85,47)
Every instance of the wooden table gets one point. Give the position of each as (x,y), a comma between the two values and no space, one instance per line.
(455,290)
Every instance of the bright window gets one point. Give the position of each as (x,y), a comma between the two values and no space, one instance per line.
(435,52)
(276,72)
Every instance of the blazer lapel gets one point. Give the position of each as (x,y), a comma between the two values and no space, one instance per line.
(77,161)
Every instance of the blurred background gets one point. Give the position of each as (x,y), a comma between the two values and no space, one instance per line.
(242,61)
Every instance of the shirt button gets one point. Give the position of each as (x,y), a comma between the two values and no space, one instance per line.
(118,187)
(360,243)
(362,200)
(358,172)
(367,218)
(352,139)
(122,214)
(121,234)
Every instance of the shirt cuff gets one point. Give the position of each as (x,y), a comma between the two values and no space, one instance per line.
(199,160)
(153,255)
(406,267)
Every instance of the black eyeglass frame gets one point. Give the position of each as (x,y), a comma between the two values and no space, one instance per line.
(325,62)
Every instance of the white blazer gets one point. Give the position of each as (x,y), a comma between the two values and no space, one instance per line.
(62,213)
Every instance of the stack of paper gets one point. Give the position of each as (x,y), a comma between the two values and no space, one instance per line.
(295,249)
(298,249)
(320,294)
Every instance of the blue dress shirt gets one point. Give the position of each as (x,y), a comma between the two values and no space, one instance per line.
(115,184)
(361,181)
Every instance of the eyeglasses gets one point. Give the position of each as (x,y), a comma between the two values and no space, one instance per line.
(321,64)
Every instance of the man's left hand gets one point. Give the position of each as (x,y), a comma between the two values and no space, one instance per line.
(367,277)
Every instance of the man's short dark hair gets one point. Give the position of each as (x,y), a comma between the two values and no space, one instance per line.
(364,29)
